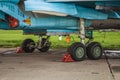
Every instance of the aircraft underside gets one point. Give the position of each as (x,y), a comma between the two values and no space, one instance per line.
(61,17)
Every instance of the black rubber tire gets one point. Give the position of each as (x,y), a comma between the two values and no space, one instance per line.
(72,51)
(90,50)
(45,48)
(26,45)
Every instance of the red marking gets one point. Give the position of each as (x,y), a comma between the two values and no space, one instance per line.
(67,58)
(13,22)
(19,50)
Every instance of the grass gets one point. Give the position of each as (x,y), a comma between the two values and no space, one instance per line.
(109,40)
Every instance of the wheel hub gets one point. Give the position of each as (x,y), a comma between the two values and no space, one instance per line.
(79,52)
(97,51)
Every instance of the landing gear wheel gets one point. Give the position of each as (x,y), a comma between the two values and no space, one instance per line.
(94,51)
(77,51)
(46,47)
(28,45)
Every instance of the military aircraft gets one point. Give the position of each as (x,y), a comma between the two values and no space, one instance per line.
(61,17)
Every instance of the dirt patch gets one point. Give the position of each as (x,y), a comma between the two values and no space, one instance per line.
(0,62)
(116,68)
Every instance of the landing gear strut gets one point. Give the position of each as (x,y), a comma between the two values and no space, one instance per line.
(79,50)
(43,45)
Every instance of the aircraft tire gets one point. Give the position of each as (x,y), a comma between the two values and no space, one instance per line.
(46,47)
(94,51)
(77,51)
(28,45)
